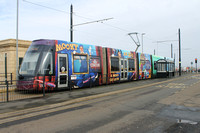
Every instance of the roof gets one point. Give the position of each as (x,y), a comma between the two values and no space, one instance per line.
(12,42)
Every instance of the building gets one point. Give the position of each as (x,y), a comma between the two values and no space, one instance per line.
(9,46)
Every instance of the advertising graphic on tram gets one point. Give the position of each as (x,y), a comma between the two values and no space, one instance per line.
(121,65)
(144,61)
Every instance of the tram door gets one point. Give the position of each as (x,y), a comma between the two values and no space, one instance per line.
(62,70)
(124,69)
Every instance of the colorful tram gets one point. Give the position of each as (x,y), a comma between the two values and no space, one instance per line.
(58,64)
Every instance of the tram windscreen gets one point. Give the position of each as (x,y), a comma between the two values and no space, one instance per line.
(29,63)
(35,60)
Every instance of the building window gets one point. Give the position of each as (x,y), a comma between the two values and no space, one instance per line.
(80,64)
(131,64)
(114,64)
(20,61)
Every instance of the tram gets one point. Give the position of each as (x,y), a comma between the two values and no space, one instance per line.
(57,64)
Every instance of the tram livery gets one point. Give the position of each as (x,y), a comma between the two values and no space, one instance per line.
(155,58)
(144,62)
(58,64)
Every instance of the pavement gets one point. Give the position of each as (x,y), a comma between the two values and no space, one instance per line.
(186,97)
(77,95)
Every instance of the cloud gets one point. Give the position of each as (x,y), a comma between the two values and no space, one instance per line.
(160,20)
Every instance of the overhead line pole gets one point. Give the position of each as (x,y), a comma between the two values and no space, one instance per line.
(71,23)
(179,37)
(17,40)
(171,51)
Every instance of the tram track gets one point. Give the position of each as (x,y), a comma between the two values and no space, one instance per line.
(45,109)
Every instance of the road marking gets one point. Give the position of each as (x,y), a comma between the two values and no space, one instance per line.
(31,112)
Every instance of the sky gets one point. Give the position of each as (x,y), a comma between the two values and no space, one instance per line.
(158,19)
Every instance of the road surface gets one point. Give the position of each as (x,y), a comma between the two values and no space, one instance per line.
(171,105)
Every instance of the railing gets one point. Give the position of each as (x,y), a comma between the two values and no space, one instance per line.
(3,77)
(22,89)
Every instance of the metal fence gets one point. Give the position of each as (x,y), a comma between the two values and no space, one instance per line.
(12,92)
(3,77)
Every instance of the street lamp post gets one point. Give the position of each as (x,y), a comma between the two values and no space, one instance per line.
(142,40)
(17,40)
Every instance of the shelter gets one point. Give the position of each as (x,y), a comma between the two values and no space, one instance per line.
(165,68)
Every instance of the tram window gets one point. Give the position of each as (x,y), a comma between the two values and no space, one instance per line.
(161,67)
(47,65)
(62,64)
(131,64)
(114,64)
(29,63)
(171,67)
(80,64)
(155,65)
(158,67)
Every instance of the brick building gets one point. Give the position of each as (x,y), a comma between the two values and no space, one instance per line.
(9,46)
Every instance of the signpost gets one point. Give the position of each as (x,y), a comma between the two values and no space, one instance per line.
(196,64)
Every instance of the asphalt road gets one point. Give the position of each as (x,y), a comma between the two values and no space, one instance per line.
(151,106)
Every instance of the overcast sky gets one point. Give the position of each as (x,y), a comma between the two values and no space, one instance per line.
(158,19)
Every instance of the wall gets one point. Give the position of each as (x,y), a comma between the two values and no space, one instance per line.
(9,46)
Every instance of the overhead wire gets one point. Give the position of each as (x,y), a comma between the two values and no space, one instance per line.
(119,28)
(46,7)
(74,13)
(77,15)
